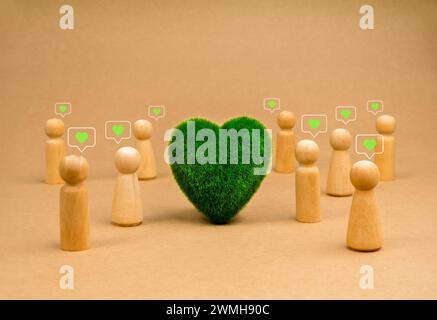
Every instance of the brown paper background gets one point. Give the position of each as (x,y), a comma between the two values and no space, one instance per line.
(216,59)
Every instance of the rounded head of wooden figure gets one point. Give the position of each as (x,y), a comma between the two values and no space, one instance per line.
(286,120)
(364,175)
(74,169)
(307,152)
(143,129)
(54,128)
(127,160)
(340,139)
(385,124)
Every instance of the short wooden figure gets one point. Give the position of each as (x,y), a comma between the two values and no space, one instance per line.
(364,229)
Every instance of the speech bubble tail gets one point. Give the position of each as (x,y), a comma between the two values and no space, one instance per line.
(314,135)
(80,149)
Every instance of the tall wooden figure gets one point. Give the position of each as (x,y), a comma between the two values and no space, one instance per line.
(285,143)
(74,215)
(143,132)
(127,210)
(307,182)
(55,150)
(338,182)
(364,229)
(386,125)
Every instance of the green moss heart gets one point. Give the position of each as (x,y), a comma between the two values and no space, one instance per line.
(222,188)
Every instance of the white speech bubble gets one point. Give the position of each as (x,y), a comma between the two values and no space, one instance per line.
(371,106)
(314,132)
(59,108)
(153,111)
(344,117)
(110,133)
(272,104)
(369,154)
(71,145)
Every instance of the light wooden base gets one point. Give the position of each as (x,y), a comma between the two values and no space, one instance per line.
(386,161)
(308,194)
(74,218)
(364,229)
(338,181)
(55,151)
(126,206)
(147,168)
(285,156)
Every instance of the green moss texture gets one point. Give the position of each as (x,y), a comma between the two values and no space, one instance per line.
(220,191)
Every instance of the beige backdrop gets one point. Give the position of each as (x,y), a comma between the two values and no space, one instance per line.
(215,59)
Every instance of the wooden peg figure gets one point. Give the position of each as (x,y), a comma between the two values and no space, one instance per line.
(338,182)
(285,143)
(364,230)
(127,210)
(386,125)
(74,215)
(55,150)
(143,131)
(307,182)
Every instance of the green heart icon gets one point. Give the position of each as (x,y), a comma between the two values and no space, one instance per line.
(314,123)
(375,106)
(63,108)
(346,113)
(272,104)
(156,112)
(82,137)
(220,190)
(118,129)
(370,144)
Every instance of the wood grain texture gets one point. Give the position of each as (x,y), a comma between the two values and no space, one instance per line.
(385,161)
(55,151)
(73,207)
(126,206)
(307,182)
(285,152)
(285,143)
(364,227)
(147,168)
(127,210)
(338,180)
(74,218)
(143,131)
(308,194)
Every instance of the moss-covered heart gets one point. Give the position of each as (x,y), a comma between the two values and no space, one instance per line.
(219,169)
